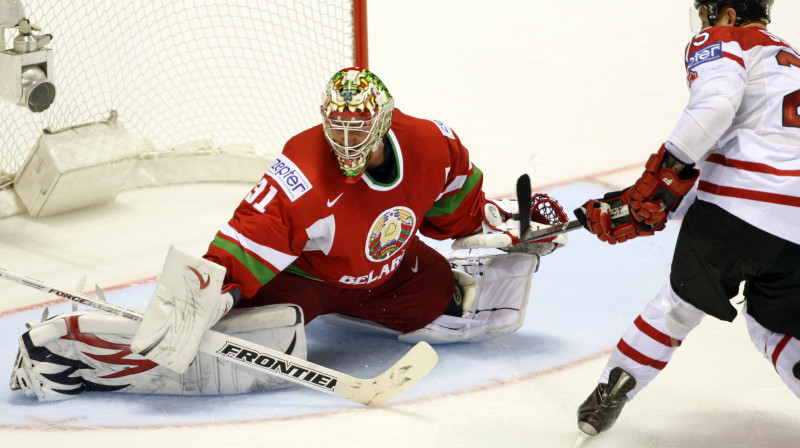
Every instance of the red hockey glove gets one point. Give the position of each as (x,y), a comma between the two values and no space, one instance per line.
(608,218)
(662,185)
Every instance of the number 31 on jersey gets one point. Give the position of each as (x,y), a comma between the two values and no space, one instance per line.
(262,204)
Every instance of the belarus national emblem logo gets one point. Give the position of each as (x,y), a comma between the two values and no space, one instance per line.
(389,233)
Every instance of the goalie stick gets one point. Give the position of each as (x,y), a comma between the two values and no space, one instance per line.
(414,365)
(524,204)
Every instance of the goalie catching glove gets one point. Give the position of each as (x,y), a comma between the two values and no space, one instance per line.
(649,201)
(501,227)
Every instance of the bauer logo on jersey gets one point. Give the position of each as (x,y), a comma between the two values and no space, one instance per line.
(389,233)
(289,177)
(445,129)
(706,54)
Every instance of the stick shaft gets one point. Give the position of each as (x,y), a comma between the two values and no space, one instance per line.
(69,295)
(616,213)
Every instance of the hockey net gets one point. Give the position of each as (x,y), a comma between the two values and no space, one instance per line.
(238,73)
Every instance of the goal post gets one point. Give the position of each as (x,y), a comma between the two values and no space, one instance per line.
(226,80)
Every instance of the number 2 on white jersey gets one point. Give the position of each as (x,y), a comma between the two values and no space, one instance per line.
(262,204)
(791,102)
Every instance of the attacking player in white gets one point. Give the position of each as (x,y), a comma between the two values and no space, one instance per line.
(330,230)
(732,165)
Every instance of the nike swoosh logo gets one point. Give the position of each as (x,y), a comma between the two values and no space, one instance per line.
(330,203)
(416,265)
(203,283)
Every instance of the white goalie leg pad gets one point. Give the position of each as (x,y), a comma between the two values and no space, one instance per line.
(89,351)
(495,289)
(187,302)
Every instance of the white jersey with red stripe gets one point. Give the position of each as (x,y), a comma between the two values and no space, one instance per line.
(742,126)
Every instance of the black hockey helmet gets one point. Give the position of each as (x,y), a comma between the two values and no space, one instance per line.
(745,9)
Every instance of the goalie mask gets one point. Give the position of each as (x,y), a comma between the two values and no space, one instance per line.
(356,114)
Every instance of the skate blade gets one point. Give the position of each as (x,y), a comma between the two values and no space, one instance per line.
(582,438)
(587,429)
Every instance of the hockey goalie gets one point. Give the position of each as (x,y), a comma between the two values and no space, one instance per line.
(330,230)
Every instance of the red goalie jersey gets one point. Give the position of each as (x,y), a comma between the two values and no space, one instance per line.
(302,217)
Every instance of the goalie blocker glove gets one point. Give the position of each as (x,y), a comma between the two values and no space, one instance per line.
(649,201)
(187,302)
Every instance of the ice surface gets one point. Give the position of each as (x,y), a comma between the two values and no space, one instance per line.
(569,92)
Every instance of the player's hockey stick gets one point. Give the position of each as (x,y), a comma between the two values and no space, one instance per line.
(533,235)
(414,365)
(499,240)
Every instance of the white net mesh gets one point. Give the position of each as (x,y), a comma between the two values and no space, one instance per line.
(234,71)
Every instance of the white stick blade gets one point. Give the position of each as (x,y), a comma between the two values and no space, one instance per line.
(403,374)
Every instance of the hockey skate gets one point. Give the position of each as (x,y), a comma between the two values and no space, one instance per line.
(602,407)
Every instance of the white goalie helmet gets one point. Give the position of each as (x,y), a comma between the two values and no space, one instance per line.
(356,113)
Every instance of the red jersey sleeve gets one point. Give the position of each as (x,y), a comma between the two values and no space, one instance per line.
(457,210)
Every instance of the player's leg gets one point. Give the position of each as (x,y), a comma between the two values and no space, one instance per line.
(648,344)
(489,299)
(422,272)
(420,289)
(640,355)
(705,275)
(422,295)
(90,351)
(772,310)
(494,293)
(312,296)
(782,350)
